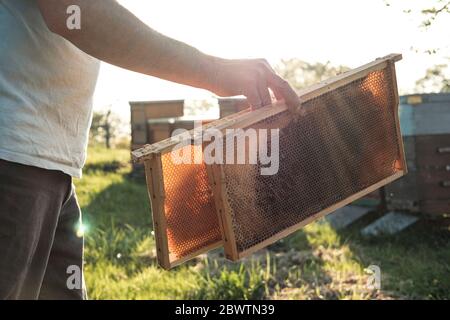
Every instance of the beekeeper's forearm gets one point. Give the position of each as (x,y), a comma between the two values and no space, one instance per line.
(112,34)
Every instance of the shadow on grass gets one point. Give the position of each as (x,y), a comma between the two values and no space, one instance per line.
(118,220)
(105,167)
(123,203)
(414,263)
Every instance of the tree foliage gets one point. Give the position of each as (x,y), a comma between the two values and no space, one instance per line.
(105,127)
(440,7)
(435,80)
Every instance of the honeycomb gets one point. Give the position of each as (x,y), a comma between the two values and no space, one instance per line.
(191,219)
(346,141)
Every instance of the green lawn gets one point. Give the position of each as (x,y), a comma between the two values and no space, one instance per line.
(314,263)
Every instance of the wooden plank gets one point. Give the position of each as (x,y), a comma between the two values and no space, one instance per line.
(155,185)
(320,214)
(176,262)
(159,133)
(435,207)
(409,144)
(139,134)
(223,211)
(339,81)
(347,77)
(159,109)
(434,185)
(433,151)
(138,126)
(391,68)
(229,106)
(213,180)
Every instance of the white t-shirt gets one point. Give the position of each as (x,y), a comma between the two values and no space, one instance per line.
(46,89)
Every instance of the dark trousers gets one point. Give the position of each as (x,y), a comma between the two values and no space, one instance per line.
(41,254)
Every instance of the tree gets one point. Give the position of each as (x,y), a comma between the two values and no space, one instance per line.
(435,80)
(301,74)
(436,77)
(436,9)
(198,107)
(431,13)
(105,127)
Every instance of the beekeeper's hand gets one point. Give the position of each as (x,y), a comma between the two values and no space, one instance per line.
(252,78)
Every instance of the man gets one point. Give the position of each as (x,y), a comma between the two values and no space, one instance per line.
(48,73)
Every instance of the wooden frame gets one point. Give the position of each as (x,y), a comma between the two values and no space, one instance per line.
(155,186)
(156,193)
(220,195)
(151,156)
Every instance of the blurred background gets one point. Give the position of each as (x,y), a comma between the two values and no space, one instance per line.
(306,42)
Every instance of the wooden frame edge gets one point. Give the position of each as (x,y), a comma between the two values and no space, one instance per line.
(342,79)
(223,211)
(194,254)
(156,192)
(320,214)
(155,187)
(402,155)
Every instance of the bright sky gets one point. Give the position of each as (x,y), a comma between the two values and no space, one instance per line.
(348,32)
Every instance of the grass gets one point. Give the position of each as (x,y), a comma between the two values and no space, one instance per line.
(314,263)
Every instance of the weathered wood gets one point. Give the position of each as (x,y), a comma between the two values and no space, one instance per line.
(223,211)
(435,207)
(422,189)
(431,151)
(155,185)
(178,261)
(394,88)
(159,109)
(138,127)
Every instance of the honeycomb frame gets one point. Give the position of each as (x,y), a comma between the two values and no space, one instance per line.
(153,158)
(242,224)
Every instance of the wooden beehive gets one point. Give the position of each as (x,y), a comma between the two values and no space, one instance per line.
(346,144)
(232,105)
(142,111)
(425,122)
